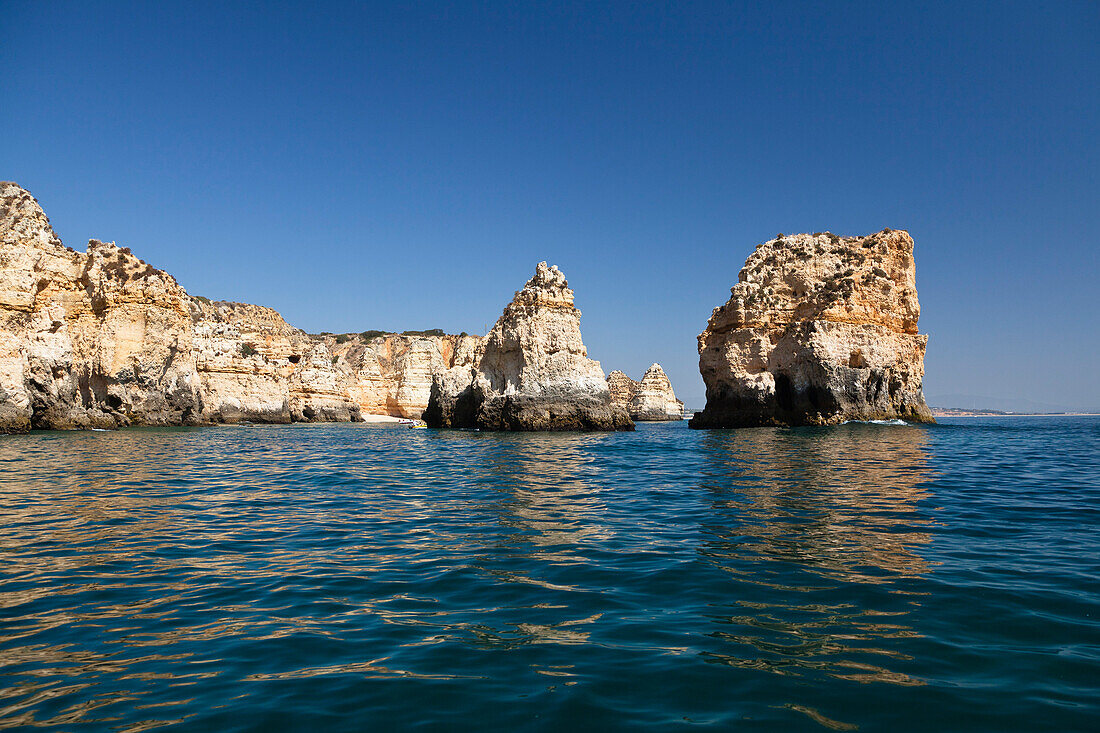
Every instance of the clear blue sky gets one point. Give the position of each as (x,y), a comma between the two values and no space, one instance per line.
(369,166)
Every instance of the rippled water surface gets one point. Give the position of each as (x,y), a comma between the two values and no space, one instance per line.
(358,577)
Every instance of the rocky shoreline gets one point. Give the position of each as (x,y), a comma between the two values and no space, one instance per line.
(818,330)
(102,339)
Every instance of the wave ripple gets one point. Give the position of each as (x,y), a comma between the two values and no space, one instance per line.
(349,577)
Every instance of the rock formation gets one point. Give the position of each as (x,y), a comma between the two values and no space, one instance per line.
(255,366)
(531,372)
(392,374)
(819,329)
(651,399)
(102,339)
(87,340)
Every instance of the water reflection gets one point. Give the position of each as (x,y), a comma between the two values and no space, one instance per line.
(543,495)
(152,576)
(819,530)
(545,491)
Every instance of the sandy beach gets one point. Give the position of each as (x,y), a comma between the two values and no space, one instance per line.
(382,418)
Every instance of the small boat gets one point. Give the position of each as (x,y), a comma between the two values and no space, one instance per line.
(419,426)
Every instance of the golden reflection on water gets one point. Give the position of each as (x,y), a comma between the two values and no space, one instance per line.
(554,511)
(545,494)
(816,533)
(803,513)
(839,501)
(93,531)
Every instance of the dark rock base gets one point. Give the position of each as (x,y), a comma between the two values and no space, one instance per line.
(518,413)
(847,395)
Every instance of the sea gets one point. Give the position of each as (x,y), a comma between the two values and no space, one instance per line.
(355,577)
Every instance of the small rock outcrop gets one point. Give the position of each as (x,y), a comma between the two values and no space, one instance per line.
(651,399)
(819,329)
(531,372)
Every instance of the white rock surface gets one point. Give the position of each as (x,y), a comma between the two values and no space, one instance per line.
(651,399)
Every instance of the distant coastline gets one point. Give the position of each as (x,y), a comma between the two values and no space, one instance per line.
(962,412)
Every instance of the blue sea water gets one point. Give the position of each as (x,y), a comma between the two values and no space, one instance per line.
(364,577)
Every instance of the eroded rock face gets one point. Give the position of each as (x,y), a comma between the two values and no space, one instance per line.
(531,372)
(819,329)
(392,374)
(651,399)
(104,340)
(100,339)
(255,366)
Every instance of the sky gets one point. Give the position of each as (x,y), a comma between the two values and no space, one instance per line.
(404,166)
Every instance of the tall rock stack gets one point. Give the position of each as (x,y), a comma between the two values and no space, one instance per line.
(531,372)
(622,389)
(649,400)
(818,330)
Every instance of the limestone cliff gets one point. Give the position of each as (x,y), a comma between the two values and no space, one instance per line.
(96,339)
(818,330)
(255,366)
(531,372)
(102,339)
(392,374)
(651,399)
